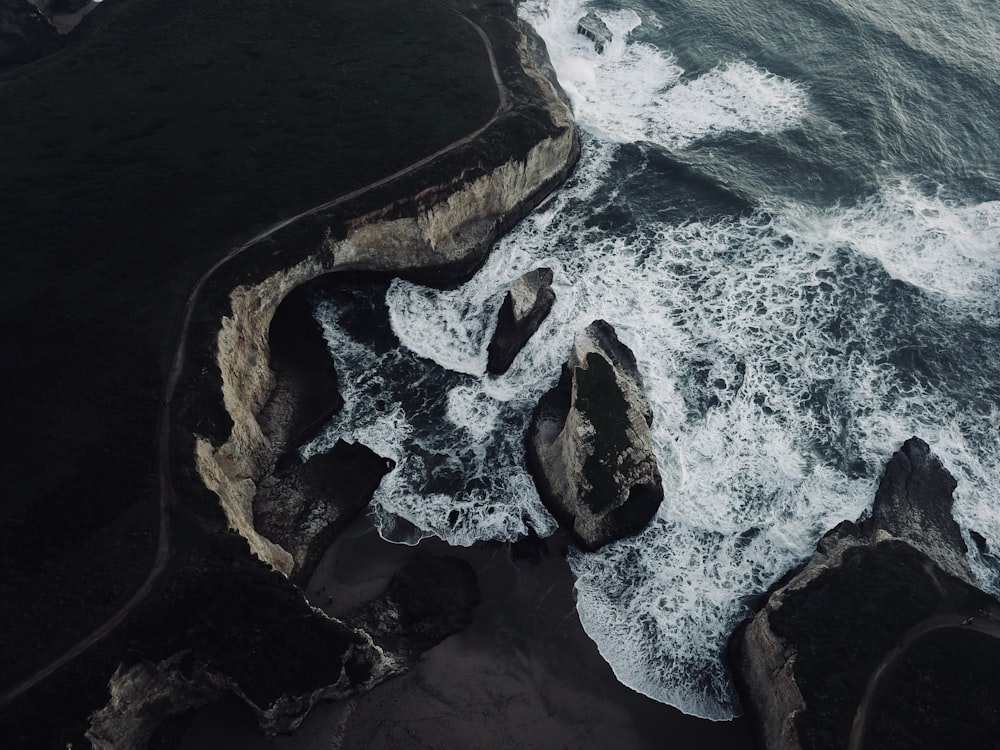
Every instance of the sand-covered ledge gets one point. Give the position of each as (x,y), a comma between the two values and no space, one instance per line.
(465,198)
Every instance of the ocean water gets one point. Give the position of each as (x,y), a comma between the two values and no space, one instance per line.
(790,211)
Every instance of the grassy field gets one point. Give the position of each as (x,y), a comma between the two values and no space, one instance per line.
(127,165)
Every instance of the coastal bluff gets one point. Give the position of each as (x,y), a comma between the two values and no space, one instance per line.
(435,223)
(881,639)
(221,608)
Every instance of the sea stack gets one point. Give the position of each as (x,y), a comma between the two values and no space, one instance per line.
(526,305)
(589,446)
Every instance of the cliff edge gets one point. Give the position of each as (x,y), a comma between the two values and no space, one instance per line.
(881,639)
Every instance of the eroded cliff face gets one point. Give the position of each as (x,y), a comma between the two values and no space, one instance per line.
(810,664)
(445,229)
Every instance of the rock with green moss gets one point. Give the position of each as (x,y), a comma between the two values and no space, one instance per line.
(589,446)
(524,308)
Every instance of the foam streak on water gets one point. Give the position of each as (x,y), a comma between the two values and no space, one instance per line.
(786,353)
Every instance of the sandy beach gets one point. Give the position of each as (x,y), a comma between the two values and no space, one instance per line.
(523,675)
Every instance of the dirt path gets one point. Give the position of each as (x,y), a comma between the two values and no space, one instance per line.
(168,495)
(978,623)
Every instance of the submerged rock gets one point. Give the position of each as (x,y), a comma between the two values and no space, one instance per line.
(524,308)
(813,666)
(589,445)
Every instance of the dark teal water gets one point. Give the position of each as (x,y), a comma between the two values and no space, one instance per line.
(790,211)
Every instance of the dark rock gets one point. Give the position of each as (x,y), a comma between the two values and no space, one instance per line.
(306,392)
(425,602)
(524,308)
(980,541)
(25,34)
(914,502)
(228,623)
(592,27)
(589,446)
(306,506)
(813,666)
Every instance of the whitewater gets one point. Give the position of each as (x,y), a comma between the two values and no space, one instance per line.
(797,306)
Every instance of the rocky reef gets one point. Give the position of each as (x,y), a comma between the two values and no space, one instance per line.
(525,306)
(881,639)
(589,446)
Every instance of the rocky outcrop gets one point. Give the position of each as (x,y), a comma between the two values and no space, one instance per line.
(304,507)
(439,231)
(256,637)
(525,306)
(592,27)
(228,622)
(589,446)
(914,502)
(813,664)
(25,34)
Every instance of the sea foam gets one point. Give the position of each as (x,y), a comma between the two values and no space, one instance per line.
(786,353)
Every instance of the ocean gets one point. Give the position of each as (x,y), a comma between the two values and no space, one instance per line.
(790,211)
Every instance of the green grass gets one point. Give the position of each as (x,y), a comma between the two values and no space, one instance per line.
(126,168)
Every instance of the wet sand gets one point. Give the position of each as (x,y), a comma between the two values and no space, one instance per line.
(523,675)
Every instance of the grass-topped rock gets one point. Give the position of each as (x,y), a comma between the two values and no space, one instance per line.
(589,446)
(881,640)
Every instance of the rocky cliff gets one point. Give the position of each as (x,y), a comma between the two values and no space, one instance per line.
(589,445)
(257,638)
(819,666)
(261,640)
(25,34)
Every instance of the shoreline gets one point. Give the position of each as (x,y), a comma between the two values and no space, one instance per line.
(524,671)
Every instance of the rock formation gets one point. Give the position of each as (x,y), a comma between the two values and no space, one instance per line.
(526,305)
(25,34)
(821,665)
(437,224)
(304,507)
(259,639)
(592,27)
(589,446)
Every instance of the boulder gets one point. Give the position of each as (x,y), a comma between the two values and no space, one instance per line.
(526,305)
(589,446)
(592,27)
(305,507)
(881,639)
(25,34)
